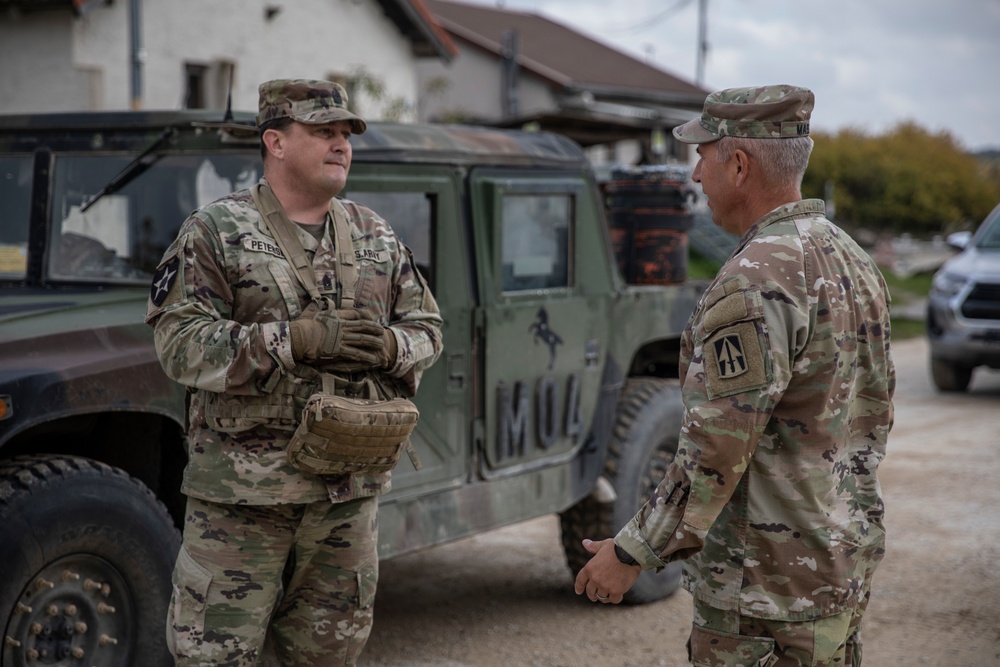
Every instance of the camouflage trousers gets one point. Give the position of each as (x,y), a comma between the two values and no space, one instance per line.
(303,574)
(726,639)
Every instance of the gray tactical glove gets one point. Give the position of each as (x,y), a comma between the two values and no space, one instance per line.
(331,336)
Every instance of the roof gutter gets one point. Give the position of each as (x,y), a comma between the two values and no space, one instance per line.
(683,100)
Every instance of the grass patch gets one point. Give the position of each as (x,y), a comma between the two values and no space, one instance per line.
(906,290)
(904,327)
(701,268)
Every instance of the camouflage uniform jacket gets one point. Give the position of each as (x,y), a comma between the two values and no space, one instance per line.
(787,381)
(220,305)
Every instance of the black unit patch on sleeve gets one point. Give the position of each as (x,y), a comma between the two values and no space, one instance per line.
(729,356)
(163,281)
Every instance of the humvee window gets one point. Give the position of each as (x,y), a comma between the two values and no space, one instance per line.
(536,241)
(122,236)
(15,193)
(409,215)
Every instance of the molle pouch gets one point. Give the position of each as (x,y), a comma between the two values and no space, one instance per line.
(347,429)
(279,409)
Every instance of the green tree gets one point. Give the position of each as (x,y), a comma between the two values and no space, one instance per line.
(907,180)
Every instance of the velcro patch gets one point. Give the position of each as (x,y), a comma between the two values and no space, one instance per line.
(372,255)
(734,361)
(257,245)
(731,308)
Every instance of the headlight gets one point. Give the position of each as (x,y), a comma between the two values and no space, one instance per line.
(948,284)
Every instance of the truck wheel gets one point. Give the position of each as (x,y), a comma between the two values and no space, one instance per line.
(87,553)
(643,445)
(950,377)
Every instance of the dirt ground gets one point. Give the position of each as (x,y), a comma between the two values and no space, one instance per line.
(505,598)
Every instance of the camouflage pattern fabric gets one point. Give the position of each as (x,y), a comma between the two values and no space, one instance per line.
(228,587)
(726,639)
(787,381)
(305,101)
(762,112)
(220,305)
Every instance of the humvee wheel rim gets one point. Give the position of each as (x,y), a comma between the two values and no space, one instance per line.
(75,611)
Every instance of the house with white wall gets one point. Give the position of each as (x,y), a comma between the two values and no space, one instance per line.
(523,69)
(69,55)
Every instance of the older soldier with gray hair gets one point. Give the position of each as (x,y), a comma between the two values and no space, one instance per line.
(264,295)
(773,499)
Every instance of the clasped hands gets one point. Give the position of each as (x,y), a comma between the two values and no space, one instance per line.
(346,339)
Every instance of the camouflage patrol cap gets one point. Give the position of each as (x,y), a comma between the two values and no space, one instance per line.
(779,112)
(305,101)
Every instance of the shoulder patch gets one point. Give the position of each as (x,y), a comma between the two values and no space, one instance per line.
(734,361)
(164,280)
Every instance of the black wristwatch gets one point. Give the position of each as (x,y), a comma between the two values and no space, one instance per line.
(624,556)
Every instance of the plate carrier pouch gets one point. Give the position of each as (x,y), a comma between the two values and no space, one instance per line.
(339,434)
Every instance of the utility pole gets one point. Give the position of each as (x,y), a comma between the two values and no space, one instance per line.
(510,46)
(702,41)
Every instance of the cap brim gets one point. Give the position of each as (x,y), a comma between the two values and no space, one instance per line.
(692,132)
(331,116)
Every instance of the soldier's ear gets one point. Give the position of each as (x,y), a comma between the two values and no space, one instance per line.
(741,166)
(274,141)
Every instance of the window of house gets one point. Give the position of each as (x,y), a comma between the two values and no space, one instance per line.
(207,86)
(194,86)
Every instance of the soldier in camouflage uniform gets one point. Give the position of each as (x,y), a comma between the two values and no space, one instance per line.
(773,498)
(269,549)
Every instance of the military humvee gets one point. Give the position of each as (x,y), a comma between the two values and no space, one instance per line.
(556,390)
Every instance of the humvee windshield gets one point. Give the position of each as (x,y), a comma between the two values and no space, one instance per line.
(121,237)
(15,193)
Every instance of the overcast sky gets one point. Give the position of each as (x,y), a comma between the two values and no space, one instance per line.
(871,63)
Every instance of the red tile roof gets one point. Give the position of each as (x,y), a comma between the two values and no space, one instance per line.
(559,53)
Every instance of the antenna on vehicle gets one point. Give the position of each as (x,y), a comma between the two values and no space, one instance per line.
(231,129)
(229,97)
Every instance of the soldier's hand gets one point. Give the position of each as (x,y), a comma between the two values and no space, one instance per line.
(387,357)
(604,578)
(346,335)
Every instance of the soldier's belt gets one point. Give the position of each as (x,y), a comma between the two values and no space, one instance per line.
(341,435)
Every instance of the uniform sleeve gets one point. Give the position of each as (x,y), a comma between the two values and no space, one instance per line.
(744,341)
(416,322)
(190,310)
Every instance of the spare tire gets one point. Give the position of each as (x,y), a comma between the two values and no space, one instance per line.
(642,447)
(87,554)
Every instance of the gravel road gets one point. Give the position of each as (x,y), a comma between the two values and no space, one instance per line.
(505,598)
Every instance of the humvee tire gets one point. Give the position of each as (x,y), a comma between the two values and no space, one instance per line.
(643,445)
(86,553)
